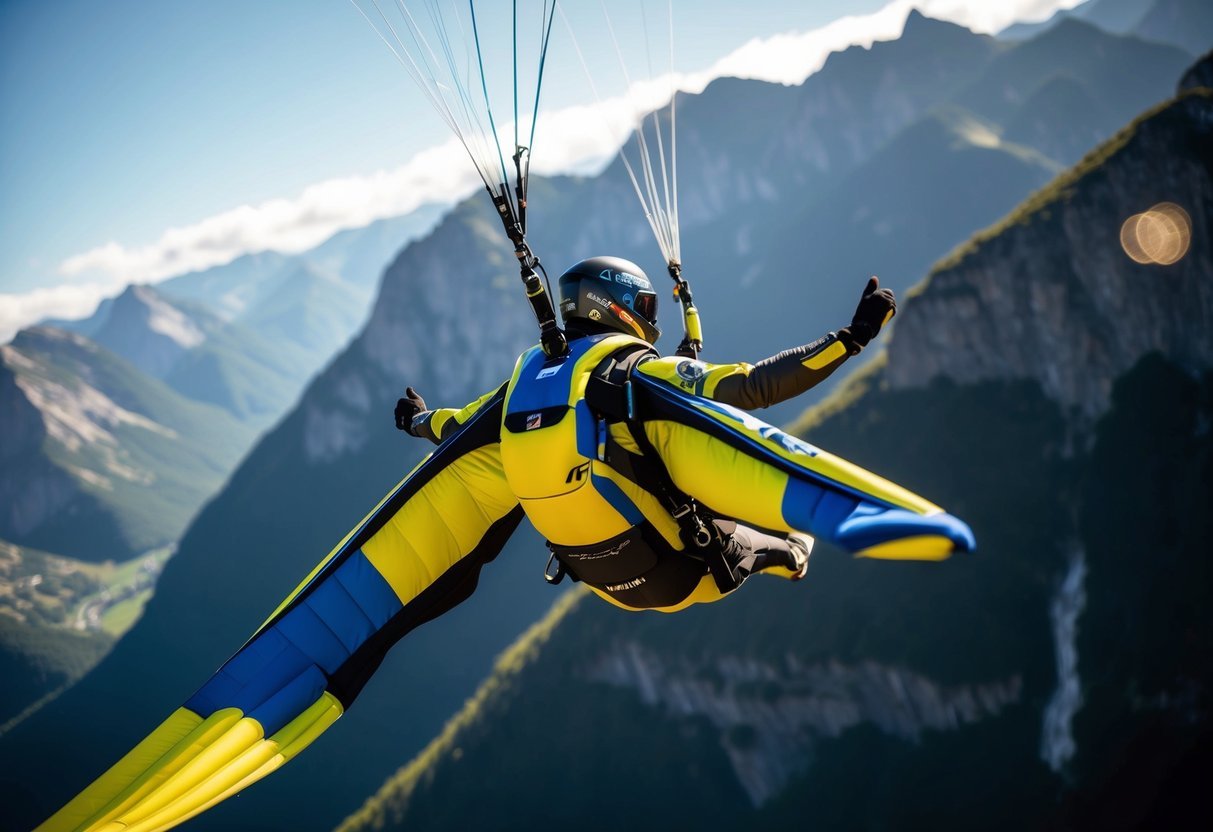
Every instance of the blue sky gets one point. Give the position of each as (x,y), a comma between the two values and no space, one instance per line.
(124,118)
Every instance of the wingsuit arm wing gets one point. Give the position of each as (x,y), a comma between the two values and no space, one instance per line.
(743,468)
(442,423)
(416,555)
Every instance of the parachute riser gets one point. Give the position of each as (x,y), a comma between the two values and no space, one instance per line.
(551,336)
(692,329)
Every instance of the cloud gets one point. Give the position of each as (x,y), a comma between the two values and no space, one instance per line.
(575,140)
(69,301)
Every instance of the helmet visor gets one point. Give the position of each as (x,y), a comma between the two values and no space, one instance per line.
(645,305)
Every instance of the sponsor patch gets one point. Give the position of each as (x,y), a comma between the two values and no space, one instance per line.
(533,421)
(691,371)
(548,372)
(595,315)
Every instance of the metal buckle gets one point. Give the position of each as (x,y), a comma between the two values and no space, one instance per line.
(548,575)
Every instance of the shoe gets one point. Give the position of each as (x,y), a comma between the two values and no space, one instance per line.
(801,546)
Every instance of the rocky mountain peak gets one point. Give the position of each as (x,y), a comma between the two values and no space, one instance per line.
(1080,312)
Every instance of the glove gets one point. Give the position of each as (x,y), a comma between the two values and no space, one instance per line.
(875,309)
(407,408)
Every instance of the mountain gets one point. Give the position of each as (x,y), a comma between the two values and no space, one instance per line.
(871,130)
(1185,23)
(1118,17)
(101,460)
(150,331)
(1108,80)
(1048,389)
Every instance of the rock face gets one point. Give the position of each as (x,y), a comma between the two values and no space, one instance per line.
(102,460)
(1051,295)
(770,716)
(1200,74)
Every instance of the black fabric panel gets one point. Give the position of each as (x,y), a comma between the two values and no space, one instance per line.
(548,416)
(451,588)
(611,561)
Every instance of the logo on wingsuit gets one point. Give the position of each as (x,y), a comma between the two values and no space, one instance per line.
(690,372)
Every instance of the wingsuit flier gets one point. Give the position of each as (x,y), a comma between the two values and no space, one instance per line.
(647,477)
(610,520)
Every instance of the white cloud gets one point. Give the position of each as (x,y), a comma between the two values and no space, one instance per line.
(69,301)
(574,140)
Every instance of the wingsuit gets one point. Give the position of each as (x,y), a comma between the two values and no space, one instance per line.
(610,519)
(650,481)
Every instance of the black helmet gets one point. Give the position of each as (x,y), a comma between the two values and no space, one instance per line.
(613,292)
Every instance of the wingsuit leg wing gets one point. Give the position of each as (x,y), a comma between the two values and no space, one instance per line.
(743,468)
(415,556)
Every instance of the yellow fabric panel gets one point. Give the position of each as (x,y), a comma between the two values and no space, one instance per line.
(721,477)
(230,744)
(826,357)
(705,592)
(333,553)
(922,547)
(538,462)
(823,463)
(242,770)
(573,519)
(666,369)
(443,415)
(442,523)
(440,417)
(176,732)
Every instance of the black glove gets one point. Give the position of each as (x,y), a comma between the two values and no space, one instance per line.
(875,309)
(407,408)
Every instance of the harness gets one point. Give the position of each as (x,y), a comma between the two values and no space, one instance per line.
(609,396)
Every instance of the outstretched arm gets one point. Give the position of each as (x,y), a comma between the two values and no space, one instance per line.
(415,419)
(792,372)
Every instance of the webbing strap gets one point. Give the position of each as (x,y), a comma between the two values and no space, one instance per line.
(698,533)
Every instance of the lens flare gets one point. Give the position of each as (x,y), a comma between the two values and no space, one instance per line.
(1160,236)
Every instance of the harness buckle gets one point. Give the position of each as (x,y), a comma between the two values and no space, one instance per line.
(551,577)
(682,511)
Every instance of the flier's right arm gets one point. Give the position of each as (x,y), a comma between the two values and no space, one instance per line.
(443,423)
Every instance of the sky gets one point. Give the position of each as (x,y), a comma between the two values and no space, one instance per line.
(140,139)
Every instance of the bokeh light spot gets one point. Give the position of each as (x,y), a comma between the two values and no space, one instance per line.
(1160,236)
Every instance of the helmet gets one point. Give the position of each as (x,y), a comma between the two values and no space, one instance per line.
(612,292)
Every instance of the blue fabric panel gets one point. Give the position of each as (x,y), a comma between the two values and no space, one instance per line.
(587,430)
(619,501)
(309,632)
(865,529)
(800,499)
(251,676)
(341,613)
(533,393)
(372,593)
(290,701)
(833,509)
(813,508)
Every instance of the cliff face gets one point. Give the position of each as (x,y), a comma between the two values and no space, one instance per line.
(1050,294)
(103,461)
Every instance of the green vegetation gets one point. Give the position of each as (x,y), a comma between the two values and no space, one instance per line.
(59,617)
